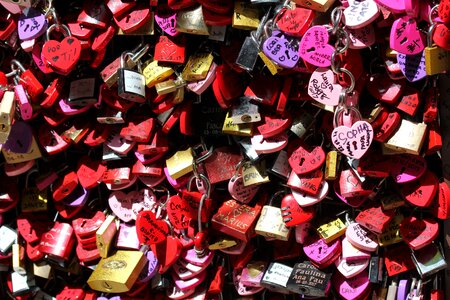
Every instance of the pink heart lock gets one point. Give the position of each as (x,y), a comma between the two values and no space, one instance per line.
(422,191)
(407,167)
(362,37)
(166,20)
(269,145)
(314,47)
(322,87)
(174,292)
(350,269)
(361,238)
(360,13)
(242,289)
(353,141)
(32,24)
(353,288)
(351,201)
(418,233)
(319,251)
(395,6)
(191,256)
(127,206)
(51,141)
(68,110)
(185,270)
(199,87)
(304,200)
(405,36)
(239,192)
(11,7)
(190,283)
(350,253)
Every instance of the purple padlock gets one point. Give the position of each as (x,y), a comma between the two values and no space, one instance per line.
(167,20)
(26,110)
(412,66)
(281,50)
(20,138)
(32,24)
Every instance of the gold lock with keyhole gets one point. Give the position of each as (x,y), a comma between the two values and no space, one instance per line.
(154,73)
(245,16)
(197,67)
(180,163)
(104,235)
(244,129)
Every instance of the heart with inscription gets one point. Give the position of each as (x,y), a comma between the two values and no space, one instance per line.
(151,230)
(406,167)
(62,56)
(322,87)
(351,269)
(361,238)
(309,183)
(412,66)
(351,288)
(166,20)
(418,233)
(302,161)
(360,13)
(239,192)
(319,251)
(353,141)
(127,206)
(421,192)
(90,172)
(32,24)
(314,47)
(178,212)
(406,37)
(295,21)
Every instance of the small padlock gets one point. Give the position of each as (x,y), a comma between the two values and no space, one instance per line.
(105,235)
(270,223)
(408,138)
(429,260)
(437,59)
(307,280)
(83,92)
(276,277)
(245,16)
(131,84)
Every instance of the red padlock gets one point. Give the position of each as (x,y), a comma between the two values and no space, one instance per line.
(95,14)
(31,84)
(169,50)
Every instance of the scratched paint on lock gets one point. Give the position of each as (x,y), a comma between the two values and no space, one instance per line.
(355,141)
(412,66)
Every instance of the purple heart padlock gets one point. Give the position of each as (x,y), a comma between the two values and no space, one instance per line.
(167,20)
(281,50)
(32,24)
(412,66)
(20,138)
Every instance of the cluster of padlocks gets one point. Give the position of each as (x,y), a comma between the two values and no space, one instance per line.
(221,149)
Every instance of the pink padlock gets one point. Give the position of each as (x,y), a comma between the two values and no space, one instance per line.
(253,273)
(242,289)
(191,283)
(351,269)
(68,110)
(118,144)
(350,253)
(127,237)
(405,36)
(305,200)
(192,257)
(361,238)
(26,111)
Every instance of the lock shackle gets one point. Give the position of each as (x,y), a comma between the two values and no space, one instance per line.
(278,194)
(58,27)
(430,34)
(238,167)
(17,67)
(27,177)
(430,14)
(138,52)
(123,56)
(204,179)
(347,110)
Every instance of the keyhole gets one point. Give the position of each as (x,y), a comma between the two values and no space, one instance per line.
(355,145)
(83,223)
(172,22)
(26,28)
(320,250)
(302,160)
(107,286)
(404,40)
(19,143)
(287,54)
(311,49)
(128,19)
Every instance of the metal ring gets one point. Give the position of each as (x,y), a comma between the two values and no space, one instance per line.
(204,179)
(352,80)
(335,67)
(346,38)
(344,109)
(205,156)
(58,28)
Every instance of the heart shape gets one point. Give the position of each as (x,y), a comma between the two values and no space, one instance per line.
(305,200)
(166,20)
(167,51)
(64,186)
(444,11)
(353,141)
(418,233)
(351,201)
(293,214)
(302,161)
(441,36)
(244,290)
(151,230)
(32,24)
(279,49)
(384,89)
(406,37)
(87,255)
(406,167)
(274,125)
(360,13)
(134,19)
(421,192)
(62,56)
(395,6)
(167,252)
(322,87)
(128,206)
(314,47)
(191,283)
(375,219)
(362,37)
(178,211)
(351,186)
(396,261)
(361,238)
(351,253)
(309,183)
(412,66)
(31,229)
(271,144)
(319,251)
(353,288)
(295,21)
(90,172)
(350,269)
(239,192)
(88,226)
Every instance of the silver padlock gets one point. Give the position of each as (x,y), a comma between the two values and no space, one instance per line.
(131,83)
(83,92)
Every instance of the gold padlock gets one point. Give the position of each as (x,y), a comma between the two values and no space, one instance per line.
(318,5)
(17,263)
(155,73)
(180,163)
(192,21)
(34,200)
(245,129)
(437,60)
(254,173)
(117,273)
(332,230)
(409,137)
(391,234)
(104,236)
(245,16)
(332,165)
(197,67)
(7,108)
(270,223)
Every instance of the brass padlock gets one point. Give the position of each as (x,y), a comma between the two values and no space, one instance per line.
(409,137)
(318,5)
(192,21)
(332,230)
(332,165)
(197,67)
(180,163)
(254,173)
(117,273)
(437,59)
(245,16)
(155,73)
(270,223)
(104,236)
(245,129)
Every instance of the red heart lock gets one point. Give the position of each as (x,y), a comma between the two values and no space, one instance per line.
(87,255)
(167,252)
(181,4)
(293,214)
(67,211)
(215,19)
(70,293)
(387,129)
(140,129)
(98,135)
(167,50)
(441,36)
(418,233)
(151,230)
(295,21)
(398,260)
(64,186)
(88,226)
(441,206)
(102,38)
(117,7)
(218,6)
(90,172)
(134,19)
(62,56)
(228,83)
(384,89)
(95,14)
(309,183)
(30,228)
(444,11)
(375,219)
(178,212)
(274,125)
(421,192)
(302,161)
(409,103)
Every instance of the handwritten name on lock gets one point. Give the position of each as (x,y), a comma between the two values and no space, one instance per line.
(354,141)
(238,215)
(306,279)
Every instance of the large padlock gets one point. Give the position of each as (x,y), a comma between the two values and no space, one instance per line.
(131,84)
(270,223)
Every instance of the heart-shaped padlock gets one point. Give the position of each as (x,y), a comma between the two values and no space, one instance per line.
(296,21)
(32,24)
(281,50)
(422,191)
(395,6)
(127,206)
(323,88)
(361,238)
(353,141)
(167,252)
(293,214)
(61,56)
(351,269)
(305,200)
(150,229)
(418,233)
(412,66)
(309,183)
(350,253)
(360,13)
(375,218)
(353,288)
(314,47)
(406,167)
(319,251)
(405,36)
(303,161)
(444,11)
(362,37)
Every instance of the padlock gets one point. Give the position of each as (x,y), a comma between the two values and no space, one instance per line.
(131,84)
(57,243)
(276,277)
(105,235)
(332,230)
(83,92)
(252,274)
(307,280)
(437,59)
(429,260)
(196,23)
(270,223)
(317,5)
(8,237)
(118,272)
(245,16)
